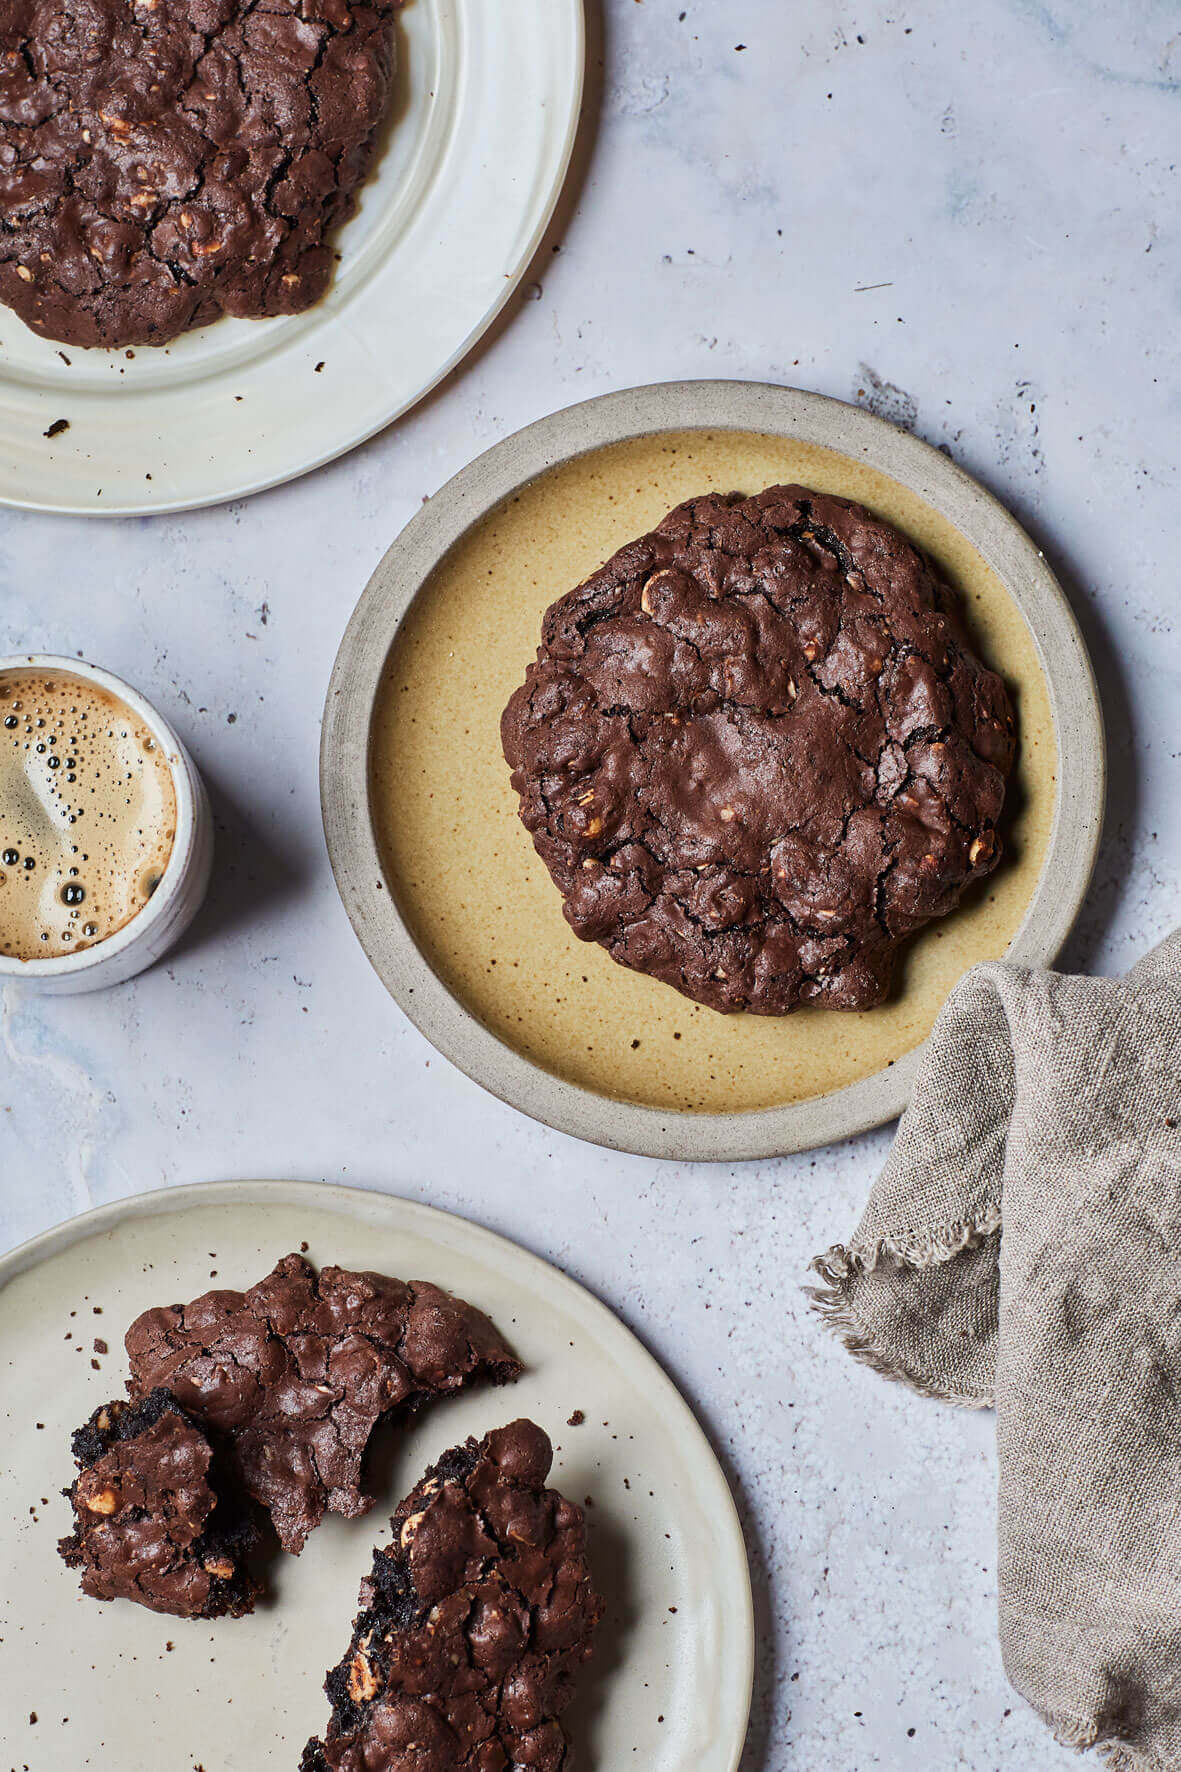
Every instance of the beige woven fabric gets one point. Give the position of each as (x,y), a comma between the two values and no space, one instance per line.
(1051,1106)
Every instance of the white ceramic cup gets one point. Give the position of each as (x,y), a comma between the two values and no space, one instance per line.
(176,900)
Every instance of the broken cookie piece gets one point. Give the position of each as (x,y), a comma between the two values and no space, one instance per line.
(756,752)
(295,1374)
(473,1623)
(157,1520)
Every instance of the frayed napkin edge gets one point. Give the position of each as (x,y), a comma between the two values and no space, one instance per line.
(1117,1756)
(833,1302)
(1122,1756)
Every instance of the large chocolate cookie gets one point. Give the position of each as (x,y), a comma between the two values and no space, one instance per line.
(473,1623)
(293,1376)
(755,752)
(166,161)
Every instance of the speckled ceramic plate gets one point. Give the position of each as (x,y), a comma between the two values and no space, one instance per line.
(121,1689)
(458,914)
(479,137)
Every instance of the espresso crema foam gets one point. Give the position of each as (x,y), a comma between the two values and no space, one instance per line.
(87,814)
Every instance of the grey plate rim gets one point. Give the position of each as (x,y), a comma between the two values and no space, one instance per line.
(501,470)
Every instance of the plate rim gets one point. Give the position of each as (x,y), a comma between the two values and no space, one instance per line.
(702,405)
(573,99)
(345,1200)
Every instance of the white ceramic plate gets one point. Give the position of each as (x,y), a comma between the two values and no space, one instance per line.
(669,1688)
(479,138)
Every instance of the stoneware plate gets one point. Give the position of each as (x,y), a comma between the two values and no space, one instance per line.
(457,913)
(115,1686)
(476,147)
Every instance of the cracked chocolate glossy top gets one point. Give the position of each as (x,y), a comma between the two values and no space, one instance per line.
(755,751)
(472,1625)
(165,161)
(153,1520)
(293,1375)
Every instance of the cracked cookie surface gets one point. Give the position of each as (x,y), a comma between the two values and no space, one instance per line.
(473,1623)
(293,1375)
(166,161)
(756,752)
(156,1520)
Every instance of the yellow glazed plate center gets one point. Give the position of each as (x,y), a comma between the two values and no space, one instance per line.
(479,902)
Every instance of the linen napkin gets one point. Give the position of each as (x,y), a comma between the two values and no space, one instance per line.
(1023,1247)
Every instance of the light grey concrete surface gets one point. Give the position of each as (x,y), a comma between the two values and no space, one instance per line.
(963,218)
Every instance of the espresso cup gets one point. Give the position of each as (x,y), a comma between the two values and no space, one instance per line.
(139,942)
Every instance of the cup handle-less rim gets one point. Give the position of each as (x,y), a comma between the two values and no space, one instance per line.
(144,937)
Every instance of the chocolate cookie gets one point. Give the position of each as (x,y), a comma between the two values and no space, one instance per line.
(472,1625)
(755,752)
(157,1521)
(294,1375)
(163,162)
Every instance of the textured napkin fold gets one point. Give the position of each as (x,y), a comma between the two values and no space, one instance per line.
(1051,1106)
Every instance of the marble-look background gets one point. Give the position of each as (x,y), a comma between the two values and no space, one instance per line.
(963,217)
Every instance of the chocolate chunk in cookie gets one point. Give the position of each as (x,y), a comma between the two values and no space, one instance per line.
(473,1624)
(157,1519)
(294,1375)
(756,752)
(163,162)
